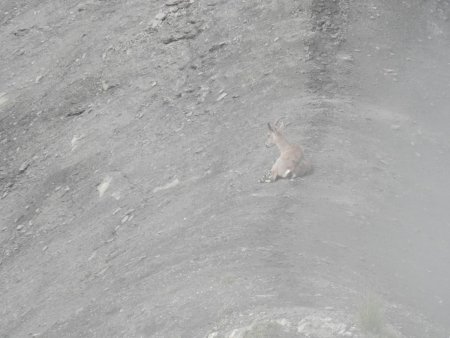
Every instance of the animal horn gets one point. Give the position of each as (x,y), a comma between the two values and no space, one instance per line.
(278,121)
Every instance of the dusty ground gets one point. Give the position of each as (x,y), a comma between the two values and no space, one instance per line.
(132,142)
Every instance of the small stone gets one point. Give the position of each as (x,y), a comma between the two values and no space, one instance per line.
(217,46)
(221,97)
(45,248)
(346,57)
(3,98)
(20,227)
(161,16)
(105,86)
(24,166)
(77,112)
(173,2)
(104,185)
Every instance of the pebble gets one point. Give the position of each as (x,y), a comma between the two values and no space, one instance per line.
(217,46)
(104,185)
(20,227)
(105,85)
(24,166)
(174,2)
(3,98)
(221,97)
(161,16)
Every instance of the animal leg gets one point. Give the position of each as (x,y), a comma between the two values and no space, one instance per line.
(274,174)
(288,174)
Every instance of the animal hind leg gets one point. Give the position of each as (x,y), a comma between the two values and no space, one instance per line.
(289,174)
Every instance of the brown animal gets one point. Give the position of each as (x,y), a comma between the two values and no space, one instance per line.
(292,162)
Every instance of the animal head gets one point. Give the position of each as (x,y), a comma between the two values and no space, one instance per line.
(274,133)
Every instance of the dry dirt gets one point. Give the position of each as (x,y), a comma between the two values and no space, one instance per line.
(132,142)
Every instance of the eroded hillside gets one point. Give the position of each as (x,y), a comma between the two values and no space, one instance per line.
(132,141)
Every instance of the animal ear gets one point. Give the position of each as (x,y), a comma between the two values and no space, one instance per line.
(270,127)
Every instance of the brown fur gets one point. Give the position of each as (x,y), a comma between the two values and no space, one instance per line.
(292,162)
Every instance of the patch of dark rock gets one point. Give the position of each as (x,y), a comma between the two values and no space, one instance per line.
(78,112)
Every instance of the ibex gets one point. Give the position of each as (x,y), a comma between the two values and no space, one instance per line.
(292,162)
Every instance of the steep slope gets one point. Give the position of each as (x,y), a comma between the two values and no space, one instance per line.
(132,142)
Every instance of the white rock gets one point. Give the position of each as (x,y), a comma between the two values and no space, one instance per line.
(3,98)
(221,97)
(169,185)
(75,141)
(104,185)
